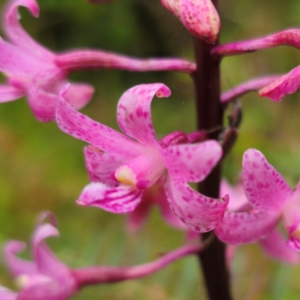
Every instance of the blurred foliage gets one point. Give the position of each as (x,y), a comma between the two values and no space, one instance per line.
(43,168)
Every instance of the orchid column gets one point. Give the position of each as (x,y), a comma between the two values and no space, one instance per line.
(205,26)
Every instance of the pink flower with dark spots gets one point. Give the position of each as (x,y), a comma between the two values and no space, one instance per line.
(198,16)
(31,70)
(44,278)
(267,199)
(125,166)
(274,243)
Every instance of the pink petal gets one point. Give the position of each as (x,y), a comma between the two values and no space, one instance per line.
(10,93)
(236,194)
(245,227)
(286,84)
(16,265)
(134,111)
(198,16)
(198,212)
(46,262)
(6,294)
(118,200)
(192,163)
(15,32)
(43,96)
(265,188)
(99,135)
(44,288)
(275,246)
(291,220)
(78,94)
(168,215)
(137,217)
(101,166)
(14,62)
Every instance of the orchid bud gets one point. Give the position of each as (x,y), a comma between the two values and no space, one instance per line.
(199,17)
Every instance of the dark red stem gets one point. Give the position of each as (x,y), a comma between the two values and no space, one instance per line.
(210,116)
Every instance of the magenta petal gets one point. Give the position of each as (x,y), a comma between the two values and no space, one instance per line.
(17,63)
(265,188)
(138,216)
(134,111)
(17,34)
(41,96)
(192,163)
(97,134)
(275,246)
(16,265)
(101,166)
(6,294)
(237,195)
(291,219)
(286,84)
(118,200)
(78,94)
(198,212)
(47,264)
(10,93)
(245,227)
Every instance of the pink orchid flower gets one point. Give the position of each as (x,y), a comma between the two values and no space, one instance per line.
(128,165)
(45,278)
(30,68)
(198,16)
(269,199)
(273,243)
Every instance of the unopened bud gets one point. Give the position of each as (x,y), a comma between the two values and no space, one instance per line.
(199,17)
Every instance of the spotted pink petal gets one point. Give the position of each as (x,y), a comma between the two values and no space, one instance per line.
(275,246)
(16,265)
(99,135)
(245,227)
(17,35)
(192,163)
(167,213)
(10,93)
(134,111)
(118,200)
(198,212)
(199,17)
(101,166)
(265,188)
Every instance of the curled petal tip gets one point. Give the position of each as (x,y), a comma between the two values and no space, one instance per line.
(164,91)
(199,17)
(284,85)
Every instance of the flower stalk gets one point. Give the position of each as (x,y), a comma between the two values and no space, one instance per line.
(103,274)
(210,115)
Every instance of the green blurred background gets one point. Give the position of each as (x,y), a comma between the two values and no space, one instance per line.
(42,168)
